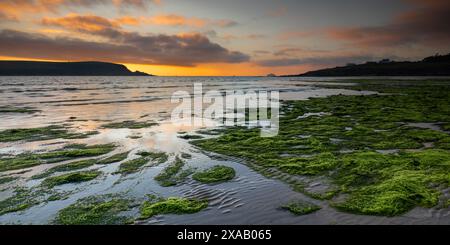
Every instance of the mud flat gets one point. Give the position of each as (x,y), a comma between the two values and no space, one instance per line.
(341,150)
(375,152)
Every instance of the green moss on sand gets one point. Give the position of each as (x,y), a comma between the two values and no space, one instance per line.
(135,165)
(301,208)
(190,137)
(114,158)
(186,155)
(157,157)
(27,160)
(95,210)
(4,180)
(25,198)
(132,166)
(45,133)
(171,205)
(215,174)
(392,197)
(75,177)
(446,126)
(66,167)
(22,199)
(12,109)
(341,145)
(169,175)
(130,125)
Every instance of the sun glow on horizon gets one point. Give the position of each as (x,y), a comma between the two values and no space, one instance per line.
(219,69)
(222,69)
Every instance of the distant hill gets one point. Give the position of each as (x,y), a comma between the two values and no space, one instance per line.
(438,65)
(90,68)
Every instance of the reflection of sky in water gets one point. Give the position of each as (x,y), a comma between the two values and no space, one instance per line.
(85,103)
(117,98)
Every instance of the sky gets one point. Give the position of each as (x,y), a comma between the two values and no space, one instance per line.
(223,38)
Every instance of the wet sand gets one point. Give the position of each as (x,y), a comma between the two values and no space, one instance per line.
(250,198)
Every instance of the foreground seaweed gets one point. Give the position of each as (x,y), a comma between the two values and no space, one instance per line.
(190,137)
(75,177)
(157,157)
(25,198)
(171,205)
(19,201)
(386,153)
(12,109)
(114,158)
(301,208)
(171,175)
(27,160)
(95,210)
(215,174)
(135,165)
(130,125)
(4,180)
(44,133)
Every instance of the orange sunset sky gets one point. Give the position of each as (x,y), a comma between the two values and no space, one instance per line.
(223,38)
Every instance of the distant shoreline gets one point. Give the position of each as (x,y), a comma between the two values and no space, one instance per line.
(87,68)
(438,65)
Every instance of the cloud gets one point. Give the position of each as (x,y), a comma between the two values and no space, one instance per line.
(85,23)
(260,52)
(279,62)
(180,50)
(135,3)
(256,36)
(296,34)
(186,49)
(4,16)
(128,20)
(320,61)
(296,52)
(277,12)
(13,9)
(427,23)
(178,21)
(225,23)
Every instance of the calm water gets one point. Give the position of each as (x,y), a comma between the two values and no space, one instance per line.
(85,103)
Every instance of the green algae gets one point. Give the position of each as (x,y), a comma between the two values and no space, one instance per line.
(169,176)
(27,160)
(95,210)
(44,133)
(114,158)
(81,164)
(4,180)
(341,144)
(132,166)
(171,205)
(21,200)
(75,177)
(446,126)
(12,109)
(25,198)
(215,174)
(300,207)
(190,136)
(185,155)
(394,196)
(66,167)
(74,165)
(135,165)
(157,157)
(215,131)
(129,125)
